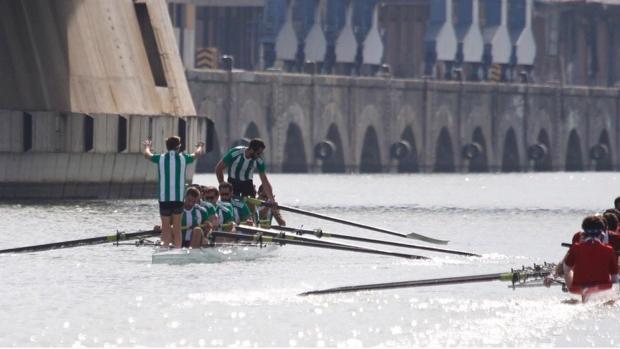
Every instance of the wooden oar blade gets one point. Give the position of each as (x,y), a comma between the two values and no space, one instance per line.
(269,236)
(258,202)
(319,233)
(431,240)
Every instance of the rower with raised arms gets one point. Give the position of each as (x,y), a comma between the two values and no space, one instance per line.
(241,162)
(171,168)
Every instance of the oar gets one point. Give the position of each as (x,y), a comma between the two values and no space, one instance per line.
(292,240)
(81,242)
(515,276)
(566,244)
(320,233)
(416,236)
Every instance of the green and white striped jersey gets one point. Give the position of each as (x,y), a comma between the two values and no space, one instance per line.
(240,167)
(225,212)
(171,174)
(211,209)
(241,210)
(192,218)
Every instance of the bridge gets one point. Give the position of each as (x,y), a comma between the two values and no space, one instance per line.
(314,123)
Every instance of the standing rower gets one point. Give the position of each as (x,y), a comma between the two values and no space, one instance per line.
(171,176)
(241,162)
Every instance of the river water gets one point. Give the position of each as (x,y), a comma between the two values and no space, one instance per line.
(113,296)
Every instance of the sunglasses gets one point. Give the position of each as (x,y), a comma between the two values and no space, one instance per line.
(209,197)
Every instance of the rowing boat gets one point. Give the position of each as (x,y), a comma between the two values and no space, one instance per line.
(216,254)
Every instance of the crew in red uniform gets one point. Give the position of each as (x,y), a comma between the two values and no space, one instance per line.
(613,238)
(590,263)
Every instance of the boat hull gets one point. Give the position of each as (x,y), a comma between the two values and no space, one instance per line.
(216,254)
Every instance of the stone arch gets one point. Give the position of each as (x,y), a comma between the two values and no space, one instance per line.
(251,131)
(574,155)
(295,160)
(544,164)
(410,162)
(335,163)
(605,163)
(367,119)
(293,115)
(479,163)
(206,163)
(251,119)
(510,156)
(444,152)
(370,161)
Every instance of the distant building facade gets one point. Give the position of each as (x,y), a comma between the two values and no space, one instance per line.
(570,42)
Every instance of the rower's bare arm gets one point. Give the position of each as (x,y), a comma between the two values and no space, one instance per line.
(219,171)
(215,222)
(279,219)
(266,186)
(568,274)
(200,149)
(148,149)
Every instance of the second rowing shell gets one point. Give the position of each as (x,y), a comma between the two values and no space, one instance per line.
(216,254)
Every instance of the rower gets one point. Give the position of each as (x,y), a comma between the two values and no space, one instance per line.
(171,185)
(206,202)
(195,220)
(613,238)
(266,214)
(241,162)
(241,211)
(590,263)
(224,210)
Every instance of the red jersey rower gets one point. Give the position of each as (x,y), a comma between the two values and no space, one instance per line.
(590,264)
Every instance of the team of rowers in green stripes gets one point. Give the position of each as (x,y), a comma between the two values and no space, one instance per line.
(189,213)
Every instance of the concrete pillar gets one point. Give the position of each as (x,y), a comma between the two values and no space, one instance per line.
(316,45)
(470,44)
(274,16)
(440,40)
(373,44)
(303,21)
(184,24)
(286,41)
(497,46)
(346,45)
(526,45)
(335,19)
(362,25)
(189,37)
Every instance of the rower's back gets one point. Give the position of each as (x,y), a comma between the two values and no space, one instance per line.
(592,262)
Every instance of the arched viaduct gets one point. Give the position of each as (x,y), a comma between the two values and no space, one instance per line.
(317,123)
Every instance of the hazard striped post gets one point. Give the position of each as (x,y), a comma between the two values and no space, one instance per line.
(207,58)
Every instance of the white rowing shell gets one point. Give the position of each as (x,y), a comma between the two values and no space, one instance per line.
(217,254)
